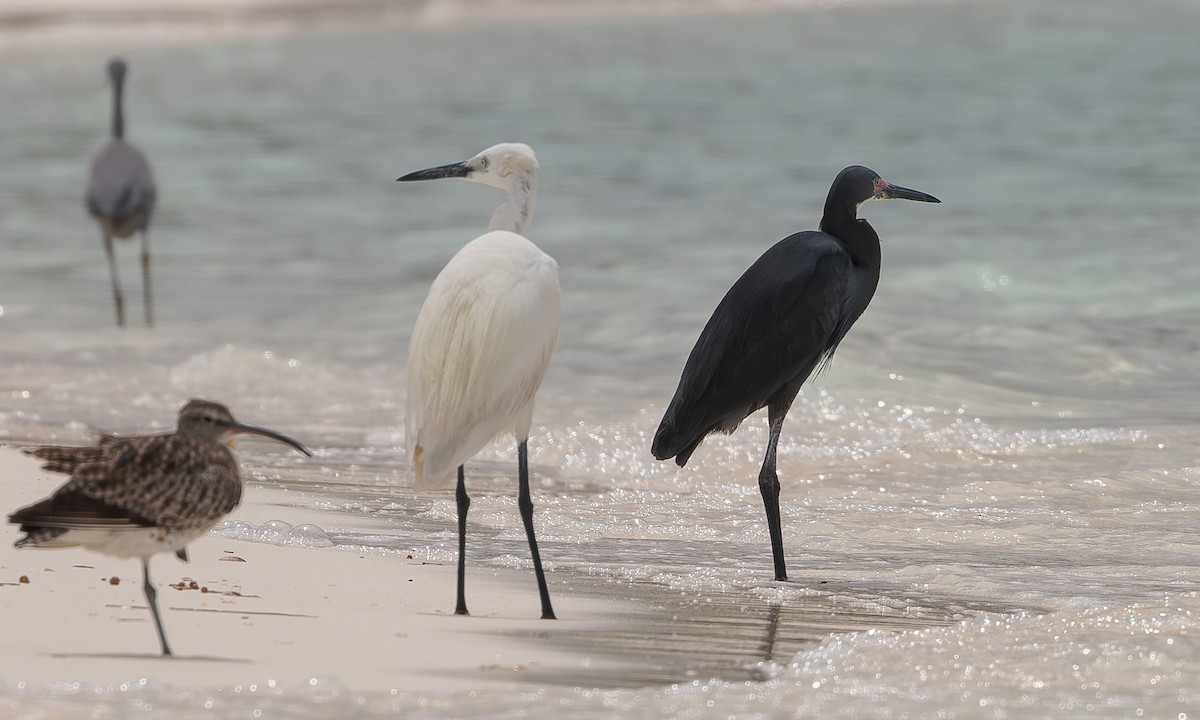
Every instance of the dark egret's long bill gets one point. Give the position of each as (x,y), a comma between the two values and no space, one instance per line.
(238,428)
(453,170)
(895,192)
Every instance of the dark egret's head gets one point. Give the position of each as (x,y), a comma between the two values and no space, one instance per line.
(856,185)
(213,421)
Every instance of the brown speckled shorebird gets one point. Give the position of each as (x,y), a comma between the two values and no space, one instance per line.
(141,495)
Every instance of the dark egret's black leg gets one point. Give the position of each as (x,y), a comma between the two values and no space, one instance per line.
(116,282)
(525,503)
(464,504)
(152,601)
(768,485)
(146,279)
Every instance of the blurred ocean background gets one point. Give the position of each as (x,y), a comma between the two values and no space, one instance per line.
(999,468)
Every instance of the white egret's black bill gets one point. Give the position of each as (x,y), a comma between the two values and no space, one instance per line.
(453,170)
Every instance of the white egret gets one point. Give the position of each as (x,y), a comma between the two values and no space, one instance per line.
(481,344)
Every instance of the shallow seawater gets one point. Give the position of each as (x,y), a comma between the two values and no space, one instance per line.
(990,497)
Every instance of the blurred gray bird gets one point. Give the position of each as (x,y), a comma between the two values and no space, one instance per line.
(121,194)
(138,496)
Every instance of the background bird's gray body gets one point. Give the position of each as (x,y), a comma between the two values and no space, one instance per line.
(121,192)
(121,195)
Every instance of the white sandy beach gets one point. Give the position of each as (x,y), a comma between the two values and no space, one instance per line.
(271,614)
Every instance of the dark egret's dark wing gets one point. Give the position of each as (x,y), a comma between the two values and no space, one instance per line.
(121,187)
(770,330)
(170,481)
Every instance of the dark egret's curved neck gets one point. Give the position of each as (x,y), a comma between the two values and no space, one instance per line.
(841,221)
(118,117)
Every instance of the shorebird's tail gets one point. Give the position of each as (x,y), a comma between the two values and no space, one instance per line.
(42,537)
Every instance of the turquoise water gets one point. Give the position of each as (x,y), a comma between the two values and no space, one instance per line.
(1011,421)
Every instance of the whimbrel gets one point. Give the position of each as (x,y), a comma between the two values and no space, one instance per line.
(142,495)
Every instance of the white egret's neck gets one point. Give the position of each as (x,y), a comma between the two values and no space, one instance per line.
(516,214)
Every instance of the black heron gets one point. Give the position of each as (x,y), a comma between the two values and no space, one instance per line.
(141,495)
(121,194)
(780,321)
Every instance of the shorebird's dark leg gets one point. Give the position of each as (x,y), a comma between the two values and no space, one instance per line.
(464,504)
(525,503)
(146,278)
(152,601)
(768,484)
(116,283)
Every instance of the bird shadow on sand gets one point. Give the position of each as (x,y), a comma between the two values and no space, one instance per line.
(150,656)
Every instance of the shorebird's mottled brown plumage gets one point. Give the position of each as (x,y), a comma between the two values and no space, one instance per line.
(142,495)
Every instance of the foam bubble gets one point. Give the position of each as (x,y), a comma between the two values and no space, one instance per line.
(275,532)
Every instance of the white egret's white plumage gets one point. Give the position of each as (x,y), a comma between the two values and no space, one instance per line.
(482,342)
(479,349)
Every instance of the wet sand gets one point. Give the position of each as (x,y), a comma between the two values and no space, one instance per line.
(245,612)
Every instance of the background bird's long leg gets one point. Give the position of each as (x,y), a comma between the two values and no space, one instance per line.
(768,485)
(147,295)
(152,601)
(525,503)
(464,504)
(116,282)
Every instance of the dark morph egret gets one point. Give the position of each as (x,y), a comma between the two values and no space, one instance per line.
(121,194)
(481,344)
(141,495)
(782,319)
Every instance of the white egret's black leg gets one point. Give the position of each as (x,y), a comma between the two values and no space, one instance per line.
(146,278)
(116,282)
(464,504)
(768,485)
(152,601)
(525,503)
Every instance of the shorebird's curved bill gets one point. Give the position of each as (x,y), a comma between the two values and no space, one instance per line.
(242,429)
